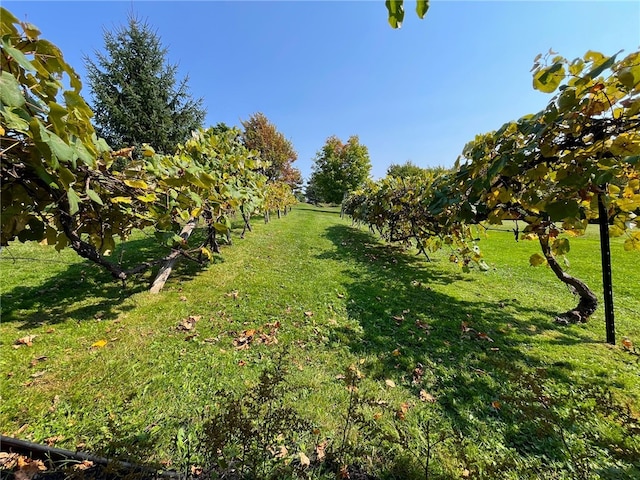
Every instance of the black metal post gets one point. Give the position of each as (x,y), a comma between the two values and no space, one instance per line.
(605,252)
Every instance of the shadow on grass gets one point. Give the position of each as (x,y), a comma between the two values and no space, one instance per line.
(85,291)
(472,354)
(318,209)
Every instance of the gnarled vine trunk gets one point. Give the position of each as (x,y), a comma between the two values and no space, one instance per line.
(165,270)
(588,301)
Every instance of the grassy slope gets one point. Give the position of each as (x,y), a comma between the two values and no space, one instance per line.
(150,379)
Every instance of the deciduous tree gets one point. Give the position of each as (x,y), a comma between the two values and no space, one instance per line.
(262,135)
(340,168)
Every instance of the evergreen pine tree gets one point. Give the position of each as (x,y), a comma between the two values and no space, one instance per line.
(136,98)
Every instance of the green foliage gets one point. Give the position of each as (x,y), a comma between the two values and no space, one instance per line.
(275,150)
(545,170)
(395,9)
(402,210)
(278,197)
(136,97)
(52,162)
(339,168)
(258,434)
(58,184)
(409,169)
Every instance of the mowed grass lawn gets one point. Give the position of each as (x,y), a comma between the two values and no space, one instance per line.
(398,365)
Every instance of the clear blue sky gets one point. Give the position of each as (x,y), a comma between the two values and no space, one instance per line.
(317,69)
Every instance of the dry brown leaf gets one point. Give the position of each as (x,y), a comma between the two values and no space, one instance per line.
(427,397)
(496,404)
(37,360)
(308,314)
(28,340)
(484,336)
(344,472)
(304,460)
(390,383)
(38,374)
(21,429)
(84,465)
(51,441)
(282,452)
(396,352)
(183,298)
(8,460)
(54,403)
(401,413)
(627,344)
(320,450)
(417,373)
(188,323)
(28,468)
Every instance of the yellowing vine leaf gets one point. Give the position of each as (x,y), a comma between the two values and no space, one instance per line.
(536,260)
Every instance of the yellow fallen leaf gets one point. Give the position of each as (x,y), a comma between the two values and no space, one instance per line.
(99,344)
(390,383)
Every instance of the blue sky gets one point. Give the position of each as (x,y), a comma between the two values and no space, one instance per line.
(317,69)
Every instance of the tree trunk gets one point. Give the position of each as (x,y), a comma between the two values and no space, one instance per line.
(165,270)
(588,301)
(245,218)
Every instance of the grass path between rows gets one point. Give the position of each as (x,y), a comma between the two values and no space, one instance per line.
(123,371)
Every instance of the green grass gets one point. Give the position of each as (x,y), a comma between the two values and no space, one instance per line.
(536,401)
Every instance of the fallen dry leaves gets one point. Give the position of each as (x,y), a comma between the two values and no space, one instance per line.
(189,323)
(266,335)
(304,460)
(427,397)
(28,341)
(23,468)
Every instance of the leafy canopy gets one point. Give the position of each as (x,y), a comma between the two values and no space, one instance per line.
(136,97)
(409,169)
(57,184)
(274,148)
(547,171)
(339,168)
